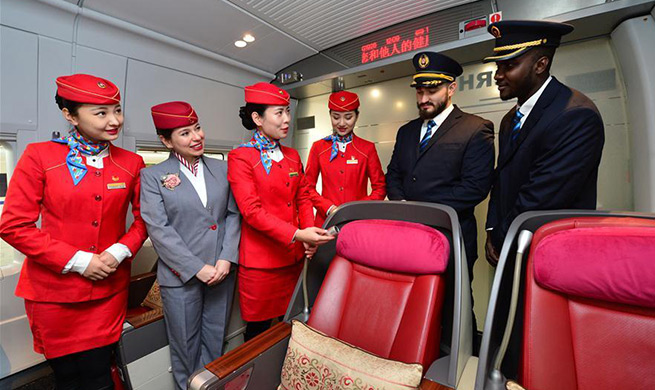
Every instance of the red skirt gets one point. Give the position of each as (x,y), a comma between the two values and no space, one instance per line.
(265,293)
(60,329)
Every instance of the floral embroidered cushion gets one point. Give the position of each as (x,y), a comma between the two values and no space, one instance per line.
(316,361)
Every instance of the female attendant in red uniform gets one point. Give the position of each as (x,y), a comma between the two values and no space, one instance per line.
(345,161)
(77,268)
(277,230)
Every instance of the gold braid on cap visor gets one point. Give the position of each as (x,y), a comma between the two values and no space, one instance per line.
(435,75)
(521,45)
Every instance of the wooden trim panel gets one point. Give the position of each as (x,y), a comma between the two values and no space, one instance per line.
(427,384)
(231,361)
(139,277)
(146,318)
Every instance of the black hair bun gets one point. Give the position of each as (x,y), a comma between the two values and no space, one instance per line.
(246,118)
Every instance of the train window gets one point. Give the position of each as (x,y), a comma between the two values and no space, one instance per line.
(155,156)
(10,259)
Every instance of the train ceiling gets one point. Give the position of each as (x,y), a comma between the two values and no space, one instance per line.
(285,31)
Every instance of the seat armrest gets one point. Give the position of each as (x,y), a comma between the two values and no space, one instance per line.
(231,361)
(427,384)
(145,276)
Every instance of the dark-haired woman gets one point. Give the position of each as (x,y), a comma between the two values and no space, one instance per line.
(345,162)
(273,196)
(77,268)
(194,225)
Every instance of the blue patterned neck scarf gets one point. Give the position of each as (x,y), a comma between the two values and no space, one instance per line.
(337,138)
(78,144)
(263,144)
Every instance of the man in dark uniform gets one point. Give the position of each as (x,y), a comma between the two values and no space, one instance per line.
(550,142)
(446,155)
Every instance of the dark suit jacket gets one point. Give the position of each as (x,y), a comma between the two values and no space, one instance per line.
(455,168)
(553,164)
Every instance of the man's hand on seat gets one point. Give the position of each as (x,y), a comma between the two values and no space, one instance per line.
(491,252)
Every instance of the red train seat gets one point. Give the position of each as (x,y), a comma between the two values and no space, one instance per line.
(590,305)
(384,290)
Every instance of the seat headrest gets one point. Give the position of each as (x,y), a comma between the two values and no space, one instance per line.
(613,264)
(395,246)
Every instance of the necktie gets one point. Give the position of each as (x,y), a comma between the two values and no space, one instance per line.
(426,137)
(516,124)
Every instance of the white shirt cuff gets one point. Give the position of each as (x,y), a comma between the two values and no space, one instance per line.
(78,262)
(293,239)
(119,251)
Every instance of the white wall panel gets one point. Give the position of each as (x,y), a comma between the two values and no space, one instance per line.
(37,17)
(18,65)
(102,64)
(108,66)
(54,61)
(217,104)
(633,43)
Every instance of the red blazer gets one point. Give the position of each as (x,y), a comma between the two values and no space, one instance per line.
(88,217)
(344,179)
(273,207)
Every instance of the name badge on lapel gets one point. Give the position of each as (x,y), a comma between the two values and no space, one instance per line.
(352,161)
(116,186)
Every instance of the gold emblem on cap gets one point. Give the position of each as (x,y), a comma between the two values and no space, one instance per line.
(101,85)
(281,93)
(423,61)
(343,99)
(495,31)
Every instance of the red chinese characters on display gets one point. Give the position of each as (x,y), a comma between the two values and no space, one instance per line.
(396,45)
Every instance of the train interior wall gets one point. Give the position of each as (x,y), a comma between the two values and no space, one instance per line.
(41,39)
(588,66)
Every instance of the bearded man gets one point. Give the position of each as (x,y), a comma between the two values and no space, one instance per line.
(446,155)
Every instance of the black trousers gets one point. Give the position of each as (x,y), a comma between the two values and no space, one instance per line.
(86,370)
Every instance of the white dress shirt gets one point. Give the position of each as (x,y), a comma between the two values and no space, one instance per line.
(342,146)
(275,154)
(81,259)
(529,104)
(198,181)
(438,120)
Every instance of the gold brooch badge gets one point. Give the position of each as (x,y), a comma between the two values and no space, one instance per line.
(115,178)
(423,61)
